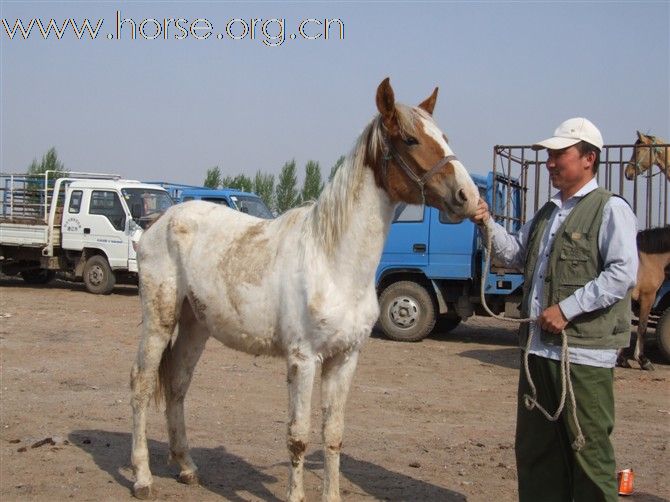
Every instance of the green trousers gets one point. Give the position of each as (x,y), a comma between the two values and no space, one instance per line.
(548,468)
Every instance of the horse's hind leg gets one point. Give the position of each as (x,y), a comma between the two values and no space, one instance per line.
(175,374)
(336,375)
(300,379)
(158,321)
(646,301)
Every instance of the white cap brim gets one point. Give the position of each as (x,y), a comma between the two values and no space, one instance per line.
(555,143)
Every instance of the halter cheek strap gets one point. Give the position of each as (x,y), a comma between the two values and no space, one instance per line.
(391,152)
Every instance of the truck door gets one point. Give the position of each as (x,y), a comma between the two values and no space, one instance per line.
(451,247)
(71,229)
(407,243)
(104,226)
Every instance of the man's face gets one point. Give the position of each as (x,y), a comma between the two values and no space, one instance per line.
(568,168)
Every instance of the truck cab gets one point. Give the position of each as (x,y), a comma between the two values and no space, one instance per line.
(106,215)
(430,267)
(84,226)
(246,202)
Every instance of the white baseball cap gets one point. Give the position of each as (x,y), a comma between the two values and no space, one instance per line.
(571,132)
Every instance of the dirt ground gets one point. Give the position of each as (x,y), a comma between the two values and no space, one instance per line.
(428,421)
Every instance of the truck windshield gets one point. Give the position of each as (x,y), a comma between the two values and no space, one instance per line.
(145,204)
(252,205)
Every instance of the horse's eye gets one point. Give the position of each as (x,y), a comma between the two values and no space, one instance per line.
(411,141)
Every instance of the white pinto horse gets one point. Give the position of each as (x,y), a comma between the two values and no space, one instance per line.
(301,286)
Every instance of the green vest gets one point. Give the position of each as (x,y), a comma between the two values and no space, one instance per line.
(575,260)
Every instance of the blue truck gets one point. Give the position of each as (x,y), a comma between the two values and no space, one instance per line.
(431,268)
(245,202)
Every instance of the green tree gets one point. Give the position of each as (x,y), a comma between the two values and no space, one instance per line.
(242,182)
(337,165)
(34,201)
(264,187)
(287,194)
(213,178)
(49,162)
(226,181)
(312,185)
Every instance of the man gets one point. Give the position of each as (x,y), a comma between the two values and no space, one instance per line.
(579,258)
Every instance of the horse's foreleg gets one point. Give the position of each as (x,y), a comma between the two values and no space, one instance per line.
(300,378)
(336,375)
(184,356)
(646,300)
(143,378)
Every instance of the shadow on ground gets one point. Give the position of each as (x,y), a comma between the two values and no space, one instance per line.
(645,497)
(15,282)
(220,472)
(226,474)
(505,358)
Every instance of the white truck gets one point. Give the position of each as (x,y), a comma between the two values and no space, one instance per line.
(83,226)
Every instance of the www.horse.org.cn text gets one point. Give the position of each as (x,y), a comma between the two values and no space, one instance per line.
(271,32)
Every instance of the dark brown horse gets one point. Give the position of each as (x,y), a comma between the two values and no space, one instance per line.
(653,247)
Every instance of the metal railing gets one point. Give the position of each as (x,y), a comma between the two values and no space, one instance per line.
(647,192)
(28,197)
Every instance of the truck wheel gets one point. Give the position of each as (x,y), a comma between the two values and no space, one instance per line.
(407,312)
(38,276)
(98,276)
(663,334)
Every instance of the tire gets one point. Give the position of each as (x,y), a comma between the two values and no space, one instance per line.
(38,276)
(447,323)
(407,312)
(98,276)
(663,334)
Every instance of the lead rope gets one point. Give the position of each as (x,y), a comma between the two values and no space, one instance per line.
(530,401)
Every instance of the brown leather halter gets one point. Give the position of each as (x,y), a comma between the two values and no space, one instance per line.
(391,152)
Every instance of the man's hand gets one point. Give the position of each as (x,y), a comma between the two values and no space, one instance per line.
(482,214)
(552,320)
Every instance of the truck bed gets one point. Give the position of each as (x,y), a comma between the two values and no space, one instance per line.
(26,234)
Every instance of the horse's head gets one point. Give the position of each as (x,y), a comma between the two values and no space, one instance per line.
(412,160)
(643,155)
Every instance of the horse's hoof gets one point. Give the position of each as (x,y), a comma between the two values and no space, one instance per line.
(144,492)
(189,478)
(623,363)
(646,365)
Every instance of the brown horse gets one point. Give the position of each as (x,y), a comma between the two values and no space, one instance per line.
(653,247)
(649,151)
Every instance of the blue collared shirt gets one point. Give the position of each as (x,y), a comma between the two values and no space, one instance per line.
(616,243)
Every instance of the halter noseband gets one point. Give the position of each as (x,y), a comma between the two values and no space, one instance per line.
(391,152)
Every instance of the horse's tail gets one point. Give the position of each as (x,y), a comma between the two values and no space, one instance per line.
(163,390)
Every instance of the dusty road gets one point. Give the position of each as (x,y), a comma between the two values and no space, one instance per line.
(427,421)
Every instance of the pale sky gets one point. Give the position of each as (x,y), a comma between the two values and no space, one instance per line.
(508,73)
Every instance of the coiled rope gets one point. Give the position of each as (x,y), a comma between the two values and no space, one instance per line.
(530,401)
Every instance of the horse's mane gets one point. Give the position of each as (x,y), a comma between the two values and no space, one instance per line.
(654,140)
(329,216)
(654,240)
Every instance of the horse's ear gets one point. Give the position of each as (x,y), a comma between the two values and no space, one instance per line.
(429,103)
(639,135)
(386,106)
